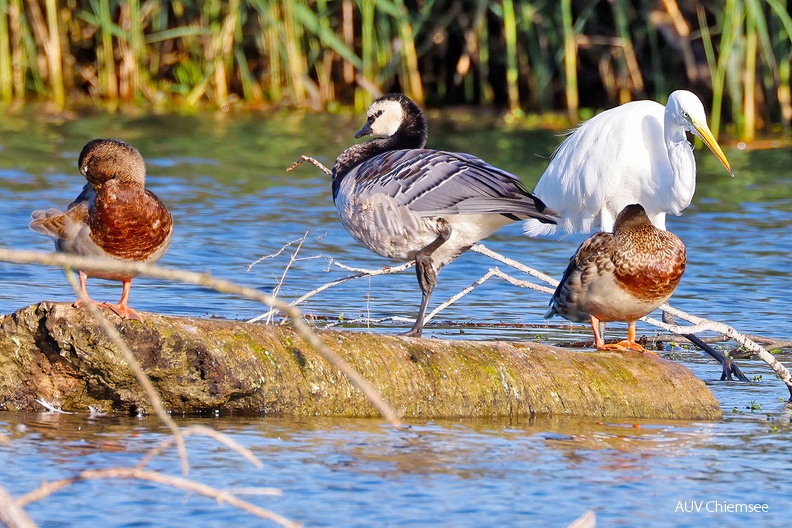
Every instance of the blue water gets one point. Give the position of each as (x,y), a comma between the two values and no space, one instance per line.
(223,178)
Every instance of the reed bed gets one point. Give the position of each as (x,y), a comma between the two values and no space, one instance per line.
(522,56)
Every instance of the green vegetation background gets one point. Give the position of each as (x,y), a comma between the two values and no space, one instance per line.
(524,57)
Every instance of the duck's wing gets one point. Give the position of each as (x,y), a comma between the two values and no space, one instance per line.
(587,261)
(60,225)
(87,195)
(433,183)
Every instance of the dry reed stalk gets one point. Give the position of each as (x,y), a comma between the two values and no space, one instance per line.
(18,59)
(296,59)
(570,60)
(409,57)
(54,54)
(749,79)
(683,30)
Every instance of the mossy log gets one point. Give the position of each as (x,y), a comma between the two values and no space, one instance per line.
(56,353)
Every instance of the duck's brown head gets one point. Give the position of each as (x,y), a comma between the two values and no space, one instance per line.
(102,160)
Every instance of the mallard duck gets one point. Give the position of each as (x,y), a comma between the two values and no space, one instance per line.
(405,202)
(620,276)
(113,217)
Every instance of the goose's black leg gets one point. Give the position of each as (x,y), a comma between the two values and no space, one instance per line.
(427,276)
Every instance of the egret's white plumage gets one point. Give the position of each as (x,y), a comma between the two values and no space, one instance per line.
(634,153)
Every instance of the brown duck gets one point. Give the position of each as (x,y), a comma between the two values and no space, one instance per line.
(620,276)
(114,216)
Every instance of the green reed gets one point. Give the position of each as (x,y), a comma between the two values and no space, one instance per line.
(525,56)
(6,77)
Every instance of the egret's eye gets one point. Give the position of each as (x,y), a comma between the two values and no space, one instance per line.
(685,115)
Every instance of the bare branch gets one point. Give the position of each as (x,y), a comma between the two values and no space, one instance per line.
(278,286)
(454,298)
(281,250)
(12,514)
(360,272)
(704,325)
(206,431)
(480,248)
(312,161)
(134,365)
(48,488)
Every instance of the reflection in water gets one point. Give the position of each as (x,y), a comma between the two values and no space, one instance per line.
(224,179)
(460,472)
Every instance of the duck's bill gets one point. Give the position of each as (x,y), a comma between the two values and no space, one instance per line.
(709,140)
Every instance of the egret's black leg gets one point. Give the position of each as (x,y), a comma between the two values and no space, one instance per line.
(729,366)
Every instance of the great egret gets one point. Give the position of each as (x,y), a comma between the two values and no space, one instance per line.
(634,153)
(113,217)
(405,202)
(620,276)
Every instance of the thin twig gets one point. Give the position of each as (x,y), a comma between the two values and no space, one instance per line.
(134,365)
(359,273)
(219,285)
(699,324)
(48,488)
(12,514)
(454,298)
(703,325)
(51,407)
(313,161)
(206,431)
(369,321)
(278,286)
(522,283)
(480,248)
(277,253)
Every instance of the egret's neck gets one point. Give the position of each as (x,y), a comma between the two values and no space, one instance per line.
(683,167)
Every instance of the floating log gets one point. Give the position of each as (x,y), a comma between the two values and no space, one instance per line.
(59,354)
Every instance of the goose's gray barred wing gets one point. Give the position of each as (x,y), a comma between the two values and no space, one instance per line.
(432,182)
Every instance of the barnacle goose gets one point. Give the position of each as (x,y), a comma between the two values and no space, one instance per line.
(405,202)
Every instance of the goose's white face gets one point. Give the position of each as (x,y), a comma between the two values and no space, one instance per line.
(385,118)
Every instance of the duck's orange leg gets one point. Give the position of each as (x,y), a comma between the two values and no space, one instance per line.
(629,344)
(599,343)
(122,308)
(84,289)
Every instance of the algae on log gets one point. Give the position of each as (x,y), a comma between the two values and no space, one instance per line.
(59,354)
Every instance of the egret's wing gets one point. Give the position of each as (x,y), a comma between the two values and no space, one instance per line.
(431,183)
(604,158)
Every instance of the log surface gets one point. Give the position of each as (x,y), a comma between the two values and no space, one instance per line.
(57,353)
